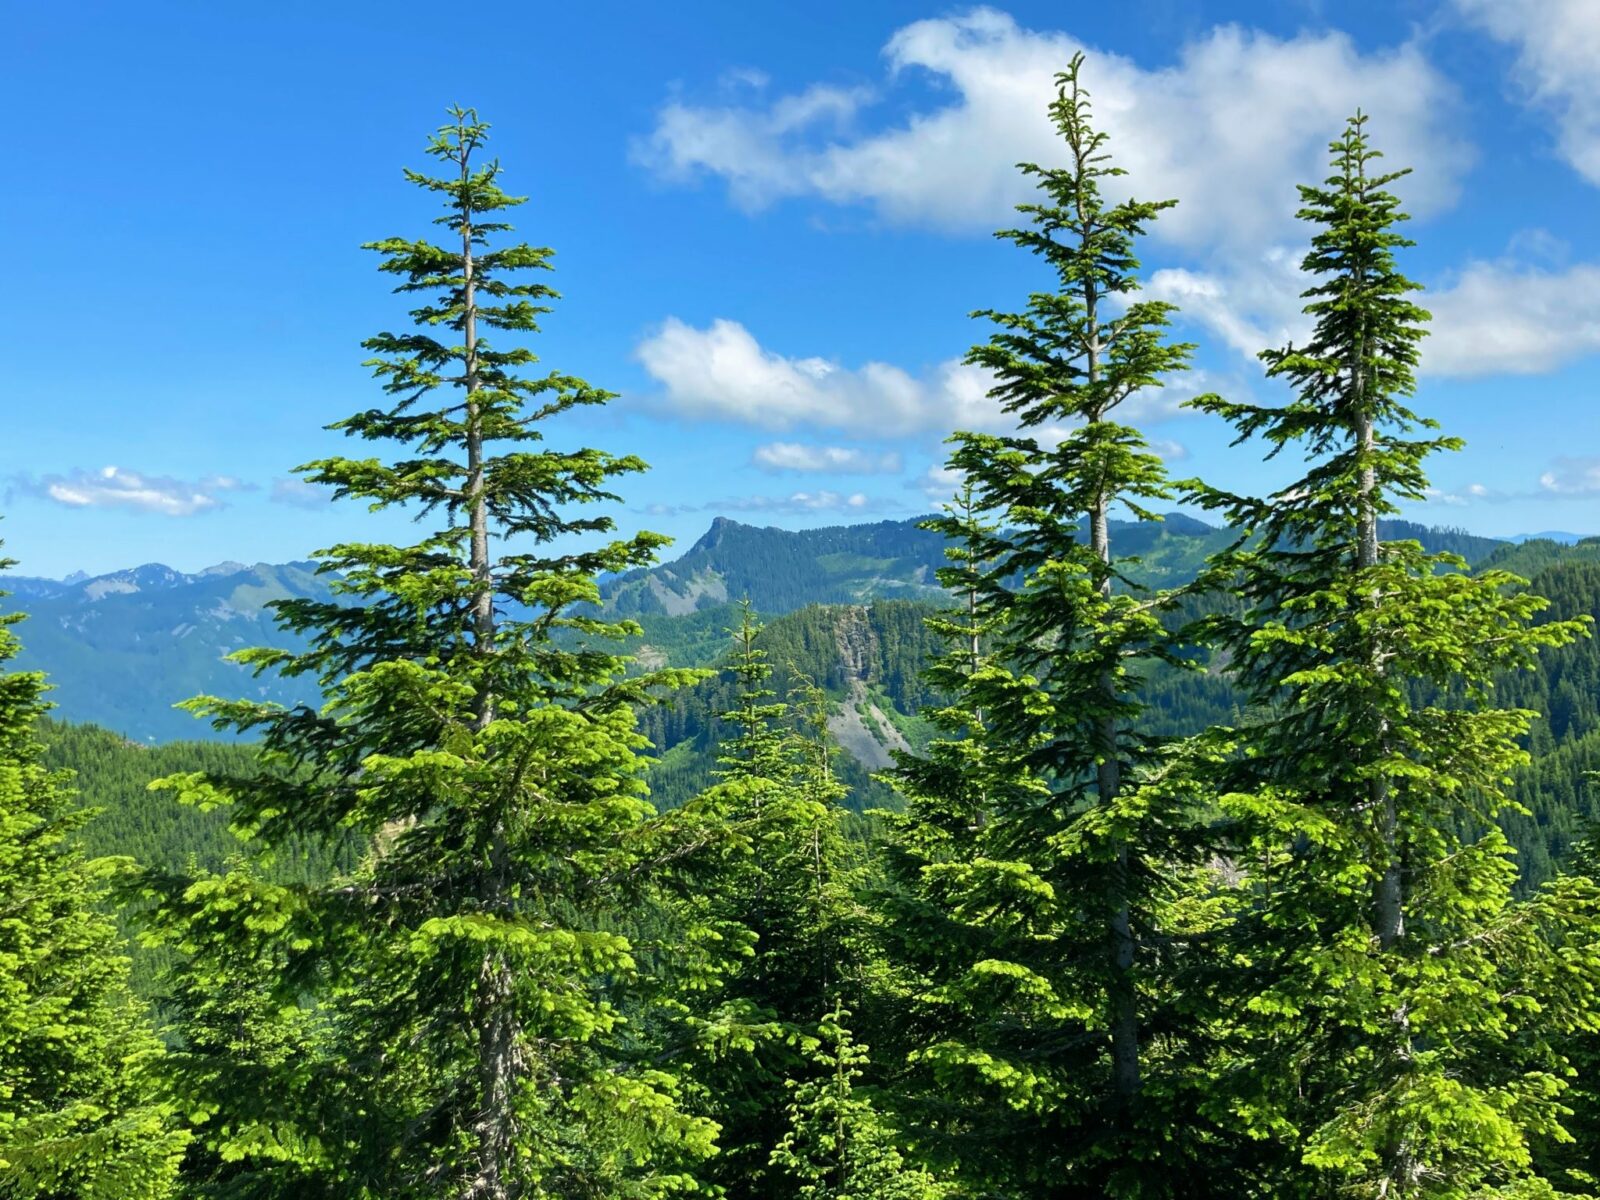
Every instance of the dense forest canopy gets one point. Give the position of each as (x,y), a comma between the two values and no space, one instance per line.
(1058,845)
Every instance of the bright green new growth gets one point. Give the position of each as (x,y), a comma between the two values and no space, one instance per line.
(838,1146)
(466,989)
(1042,857)
(1397,1010)
(77,1117)
(782,887)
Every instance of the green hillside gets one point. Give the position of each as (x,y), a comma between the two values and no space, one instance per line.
(122,649)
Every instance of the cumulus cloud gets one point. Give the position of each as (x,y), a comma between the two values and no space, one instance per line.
(722,372)
(836,460)
(1469,494)
(1509,318)
(939,483)
(1557,43)
(1505,316)
(117,487)
(1224,129)
(1248,306)
(799,502)
(1572,477)
(1169,450)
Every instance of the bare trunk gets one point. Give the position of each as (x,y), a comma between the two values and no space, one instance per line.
(1108,779)
(499,1066)
(477,506)
(1388,905)
(494,1009)
(1108,775)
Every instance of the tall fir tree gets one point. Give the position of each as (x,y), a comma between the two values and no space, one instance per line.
(479,731)
(1398,1007)
(78,1117)
(1039,829)
(782,888)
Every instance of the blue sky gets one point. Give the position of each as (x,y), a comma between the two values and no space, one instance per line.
(770,223)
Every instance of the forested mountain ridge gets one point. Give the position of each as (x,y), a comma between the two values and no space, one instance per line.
(869,659)
(122,649)
(780,570)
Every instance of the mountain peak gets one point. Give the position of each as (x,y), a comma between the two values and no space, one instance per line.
(712,537)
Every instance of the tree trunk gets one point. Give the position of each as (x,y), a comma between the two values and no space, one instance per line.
(494,1012)
(1388,905)
(1108,779)
(477,505)
(499,1066)
(1108,769)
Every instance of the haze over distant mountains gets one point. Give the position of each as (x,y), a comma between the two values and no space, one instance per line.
(123,648)
(1549,535)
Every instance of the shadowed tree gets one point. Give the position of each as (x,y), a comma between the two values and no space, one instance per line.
(77,1114)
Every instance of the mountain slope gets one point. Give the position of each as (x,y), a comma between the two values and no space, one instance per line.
(780,570)
(122,649)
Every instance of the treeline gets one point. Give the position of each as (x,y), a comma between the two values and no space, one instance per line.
(1272,945)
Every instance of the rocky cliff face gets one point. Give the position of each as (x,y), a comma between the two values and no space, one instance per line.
(862,728)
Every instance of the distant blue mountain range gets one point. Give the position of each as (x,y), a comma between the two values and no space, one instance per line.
(122,649)
(1550,535)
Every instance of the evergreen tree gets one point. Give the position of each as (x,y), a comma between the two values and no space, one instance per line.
(478,732)
(77,1118)
(1399,1008)
(781,889)
(1571,1159)
(1039,827)
(838,1146)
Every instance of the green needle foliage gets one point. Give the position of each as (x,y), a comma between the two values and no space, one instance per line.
(466,985)
(1040,829)
(838,1146)
(1399,1007)
(77,1114)
(783,889)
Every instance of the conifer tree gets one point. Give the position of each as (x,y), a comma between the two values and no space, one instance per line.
(478,729)
(77,1116)
(1399,1007)
(838,1146)
(1038,827)
(781,888)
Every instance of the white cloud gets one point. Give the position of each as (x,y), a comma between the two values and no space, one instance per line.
(116,487)
(1572,477)
(793,503)
(1227,129)
(1506,318)
(1558,46)
(939,483)
(1248,307)
(723,372)
(1495,317)
(300,493)
(1471,493)
(837,460)
(1169,450)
